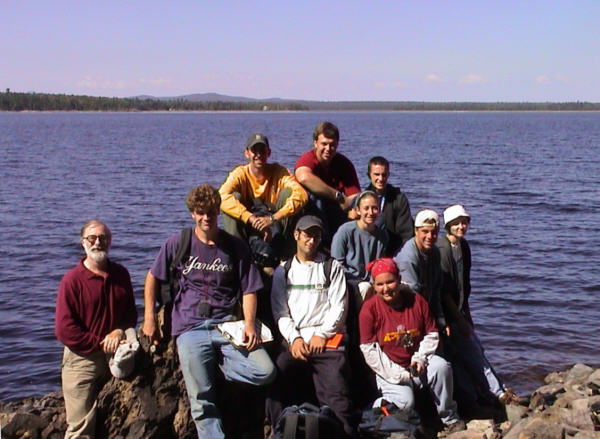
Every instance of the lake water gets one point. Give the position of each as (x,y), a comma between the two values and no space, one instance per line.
(529,180)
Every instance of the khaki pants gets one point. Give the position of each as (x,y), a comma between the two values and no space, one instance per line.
(82,379)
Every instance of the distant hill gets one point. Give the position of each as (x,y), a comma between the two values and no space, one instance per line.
(306,105)
(11,101)
(212,97)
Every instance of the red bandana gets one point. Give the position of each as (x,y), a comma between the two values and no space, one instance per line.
(382,265)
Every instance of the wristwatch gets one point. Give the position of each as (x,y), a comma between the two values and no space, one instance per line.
(339,197)
(272,218)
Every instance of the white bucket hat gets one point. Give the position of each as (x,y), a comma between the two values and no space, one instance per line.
(121,364)
(427,217)
(453,212)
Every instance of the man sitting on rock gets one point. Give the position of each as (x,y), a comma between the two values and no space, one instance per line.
(214,276)
(394,210)
(398,338)
(330,179)
(94,308)
(309,306)
(259,199)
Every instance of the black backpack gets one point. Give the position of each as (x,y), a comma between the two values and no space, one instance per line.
(309,422)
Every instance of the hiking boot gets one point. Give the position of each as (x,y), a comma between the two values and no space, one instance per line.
(510,397)
(453,428)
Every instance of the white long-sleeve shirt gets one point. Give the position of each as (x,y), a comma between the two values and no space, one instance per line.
(302,306)
(393,372)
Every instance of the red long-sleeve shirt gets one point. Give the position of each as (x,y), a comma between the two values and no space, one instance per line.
(89,306)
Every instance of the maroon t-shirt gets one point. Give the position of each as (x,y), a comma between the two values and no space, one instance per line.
(89,306)
(391,328)
(340,175)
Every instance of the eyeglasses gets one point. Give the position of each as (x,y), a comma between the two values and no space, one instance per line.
(308,236)
(92,238)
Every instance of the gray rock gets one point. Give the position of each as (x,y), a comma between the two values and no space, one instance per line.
(587,435)
(579,373)
(536,428)
(555,377)
(514,413)
(579,419)
(593,383)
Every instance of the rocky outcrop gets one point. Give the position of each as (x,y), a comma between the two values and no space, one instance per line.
(153,404)
(567,406)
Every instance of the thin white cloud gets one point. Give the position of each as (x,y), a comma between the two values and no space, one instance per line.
(393,84)
(472,78)
(160,82)
(92,83)
(562,78)
(432,77)
(542,79)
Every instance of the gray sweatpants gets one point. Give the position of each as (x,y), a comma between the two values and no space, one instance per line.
(439,380)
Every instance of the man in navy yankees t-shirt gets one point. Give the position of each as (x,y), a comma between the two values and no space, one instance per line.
(217,273)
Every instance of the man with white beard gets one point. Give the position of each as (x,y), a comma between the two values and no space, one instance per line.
(94,307)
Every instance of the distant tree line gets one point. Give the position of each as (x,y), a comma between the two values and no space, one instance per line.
(10,101)
(452,106)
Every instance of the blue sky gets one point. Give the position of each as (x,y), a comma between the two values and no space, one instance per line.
(335,50)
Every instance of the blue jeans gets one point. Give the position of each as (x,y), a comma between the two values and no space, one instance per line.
(201,350)
(468,353)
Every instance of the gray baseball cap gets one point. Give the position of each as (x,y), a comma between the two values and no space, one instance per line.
(256,139)
(308,221)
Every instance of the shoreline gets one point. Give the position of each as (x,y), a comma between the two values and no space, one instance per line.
(287,111)
(153,404)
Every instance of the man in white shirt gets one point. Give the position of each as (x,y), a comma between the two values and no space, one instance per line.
(309,303)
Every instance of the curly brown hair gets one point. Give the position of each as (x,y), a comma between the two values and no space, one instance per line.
(203,197)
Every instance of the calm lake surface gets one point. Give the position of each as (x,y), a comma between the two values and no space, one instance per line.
(529,180)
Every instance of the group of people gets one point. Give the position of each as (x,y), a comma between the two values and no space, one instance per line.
(356,290)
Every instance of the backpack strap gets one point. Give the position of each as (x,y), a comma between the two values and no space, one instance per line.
(311,427)
(326,269)
(291,425)
(227,245)
(169,289)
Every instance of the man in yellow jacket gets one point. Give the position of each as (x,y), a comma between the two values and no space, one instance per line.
(258,200)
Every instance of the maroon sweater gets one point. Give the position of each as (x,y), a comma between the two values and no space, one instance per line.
(89,306)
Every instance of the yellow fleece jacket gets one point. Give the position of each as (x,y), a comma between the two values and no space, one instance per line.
(242,181)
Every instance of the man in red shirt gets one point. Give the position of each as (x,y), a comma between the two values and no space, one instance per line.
(329,178)
(94,307)
(398,338)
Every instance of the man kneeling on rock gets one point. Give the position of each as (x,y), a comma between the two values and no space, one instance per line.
(398,338)
(217,271)
(94,308)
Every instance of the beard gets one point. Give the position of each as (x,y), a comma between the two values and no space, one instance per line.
(96,255)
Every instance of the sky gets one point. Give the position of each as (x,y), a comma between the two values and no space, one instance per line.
(413,50)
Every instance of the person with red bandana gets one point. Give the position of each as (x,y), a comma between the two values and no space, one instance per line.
(398,338)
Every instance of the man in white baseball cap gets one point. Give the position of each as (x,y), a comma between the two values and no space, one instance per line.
(419,264)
